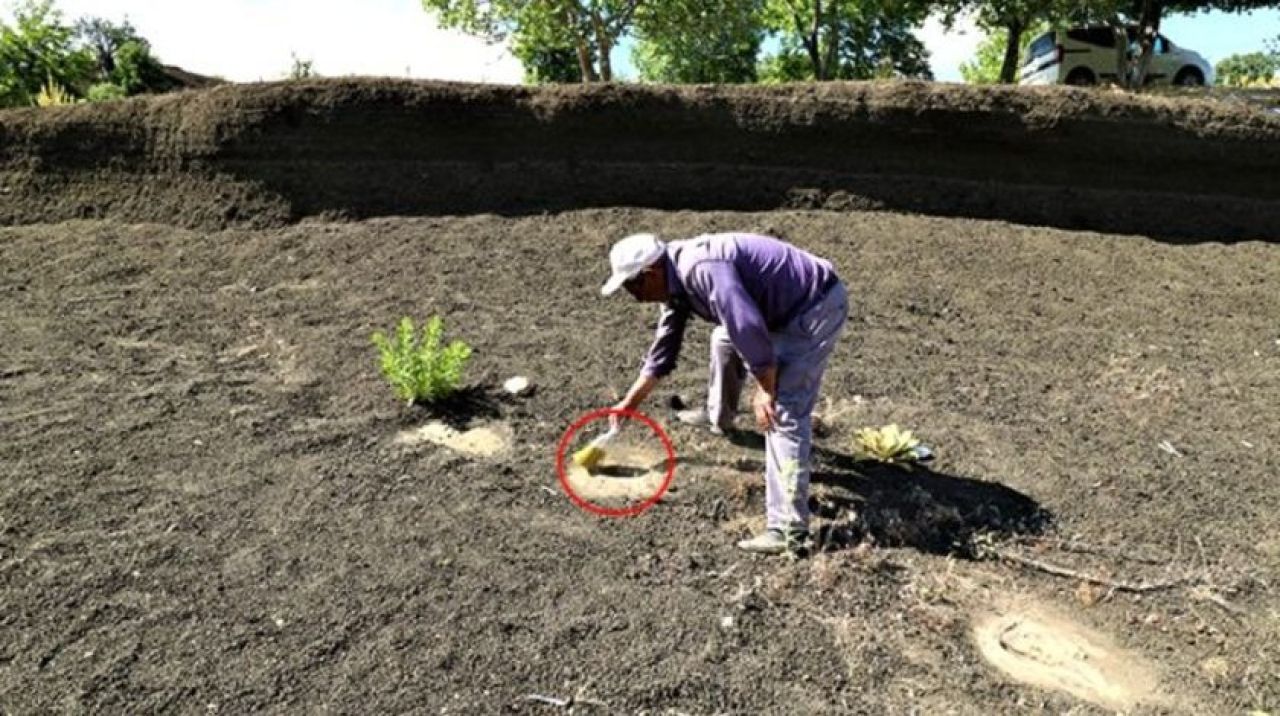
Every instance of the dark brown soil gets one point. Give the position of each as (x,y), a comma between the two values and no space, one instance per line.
(258,156)
(203,506)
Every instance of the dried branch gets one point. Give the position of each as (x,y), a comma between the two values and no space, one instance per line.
(1056,570)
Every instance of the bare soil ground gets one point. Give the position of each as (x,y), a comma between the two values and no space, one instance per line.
(209,501)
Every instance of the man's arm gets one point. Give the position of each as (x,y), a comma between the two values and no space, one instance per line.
(639,390)
(659,361)
(740,316)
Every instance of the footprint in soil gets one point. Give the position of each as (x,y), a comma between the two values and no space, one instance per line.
(1037,646)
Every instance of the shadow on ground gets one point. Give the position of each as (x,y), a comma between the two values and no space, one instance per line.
(460,409)
(917,507)
(900,506)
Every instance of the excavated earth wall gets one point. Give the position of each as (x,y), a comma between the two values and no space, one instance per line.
(265,155)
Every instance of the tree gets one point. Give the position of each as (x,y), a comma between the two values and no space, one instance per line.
(699,40)
(104,39)
(543,65)
(301,69)
(590,28)
(845,39)
(1251,68)
(123,57)
(39,49)
(990,63)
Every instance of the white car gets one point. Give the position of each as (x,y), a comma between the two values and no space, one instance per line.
(1088,55)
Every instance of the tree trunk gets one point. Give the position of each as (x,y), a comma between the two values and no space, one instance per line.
(569,13)
(1122,51)
(814,44)
(1008,70)
(832,60)
(603,42)
(1148,27)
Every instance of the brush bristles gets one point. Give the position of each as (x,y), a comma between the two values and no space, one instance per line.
(588,457)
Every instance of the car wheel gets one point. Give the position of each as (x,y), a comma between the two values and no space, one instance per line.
(1080,77)
(1189,77)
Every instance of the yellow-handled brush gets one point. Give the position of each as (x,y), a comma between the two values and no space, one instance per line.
(591,455)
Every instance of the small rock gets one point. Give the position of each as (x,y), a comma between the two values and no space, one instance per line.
(518,385)
(726,622)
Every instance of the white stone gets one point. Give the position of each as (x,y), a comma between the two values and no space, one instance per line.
(517,385)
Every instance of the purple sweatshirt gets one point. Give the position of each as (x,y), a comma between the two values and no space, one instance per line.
(752,285)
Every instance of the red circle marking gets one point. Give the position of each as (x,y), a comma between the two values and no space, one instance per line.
(593,508)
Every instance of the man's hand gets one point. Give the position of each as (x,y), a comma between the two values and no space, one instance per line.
(765,409)
(615,420)
(764,404)
(635,396)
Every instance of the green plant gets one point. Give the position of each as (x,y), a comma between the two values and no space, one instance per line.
(418,368)
(889,444)
(105,92)
(53,94)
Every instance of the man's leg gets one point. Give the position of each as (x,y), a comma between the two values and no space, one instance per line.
(724,387)
(803,350)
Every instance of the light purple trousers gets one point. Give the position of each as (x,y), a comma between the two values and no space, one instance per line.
(802,349)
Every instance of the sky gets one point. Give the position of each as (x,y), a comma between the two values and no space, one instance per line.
(249,40)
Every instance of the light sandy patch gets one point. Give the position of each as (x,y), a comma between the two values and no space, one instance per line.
(1038,647)
(483,441)
(627,473)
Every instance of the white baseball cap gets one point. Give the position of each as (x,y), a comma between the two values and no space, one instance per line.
(629,257)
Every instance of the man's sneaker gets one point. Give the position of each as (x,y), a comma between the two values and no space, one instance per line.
(693,416)
(698,417)
(774,541)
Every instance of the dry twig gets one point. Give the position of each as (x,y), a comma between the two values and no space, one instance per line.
(1116,585)
(1079,547)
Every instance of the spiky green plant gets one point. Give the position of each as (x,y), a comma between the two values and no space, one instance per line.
(419,369)
(889,444)
(53,94)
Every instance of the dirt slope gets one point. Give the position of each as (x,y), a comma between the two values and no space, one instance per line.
(265,155)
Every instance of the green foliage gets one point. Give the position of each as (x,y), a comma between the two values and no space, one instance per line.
(548,65)
(419,369)
(137,70)
(39,48)
(984,68)
(845,39)
(104,39)
(784,67)
(1243,70)
(105,92)
(699,41)
(538,27)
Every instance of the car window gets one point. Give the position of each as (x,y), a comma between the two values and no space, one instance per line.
(1161,45)
(1097,36)
(1041,46)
